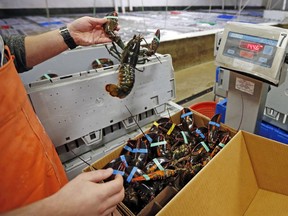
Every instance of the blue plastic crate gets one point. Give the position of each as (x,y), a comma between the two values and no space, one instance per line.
(266,130)
(280,135)
(221,109)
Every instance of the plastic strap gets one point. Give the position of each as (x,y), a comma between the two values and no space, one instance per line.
(47,76)
(186,114)
(155,160)
(171,129)
(111,17)
(129,178)
(138,150)
(128,148)
(214,123)
(156,124)
(123,159)
(98,62)
(158,143)
(205,146)
(115,172)
(148,138)
(155,37)
(221,145)
(146,177)
(184,137)
(200,133)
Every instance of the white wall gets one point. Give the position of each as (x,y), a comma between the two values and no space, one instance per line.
(13,4)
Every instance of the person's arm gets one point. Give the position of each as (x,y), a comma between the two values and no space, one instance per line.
(83,195)
(16,46)
(85,31)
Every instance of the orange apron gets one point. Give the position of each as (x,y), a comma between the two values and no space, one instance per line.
(30,167)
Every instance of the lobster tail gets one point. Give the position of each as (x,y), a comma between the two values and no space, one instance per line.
(116,91)
(112,89)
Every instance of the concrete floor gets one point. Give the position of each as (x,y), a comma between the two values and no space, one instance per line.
(193,80)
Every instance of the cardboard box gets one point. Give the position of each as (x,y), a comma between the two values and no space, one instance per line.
(169,192)
(248,177)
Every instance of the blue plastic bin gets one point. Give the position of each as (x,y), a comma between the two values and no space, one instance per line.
(221,109)
(266,130)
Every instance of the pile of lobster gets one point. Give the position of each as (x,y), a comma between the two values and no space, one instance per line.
(167,154)
(129,56)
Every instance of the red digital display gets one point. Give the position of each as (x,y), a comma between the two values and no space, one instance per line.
(245,54)
(255,47)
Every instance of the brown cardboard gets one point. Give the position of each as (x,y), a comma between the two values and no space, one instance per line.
(159,202)
(248,177)
(169,192)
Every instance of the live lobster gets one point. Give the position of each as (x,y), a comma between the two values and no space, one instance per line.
(132,54)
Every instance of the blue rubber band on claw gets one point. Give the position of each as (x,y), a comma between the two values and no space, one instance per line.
(128,148)
(137,150)
(115,172)
(214,123)
(129,178)
(148,138)
(123,159)
(200,133)
(186,114)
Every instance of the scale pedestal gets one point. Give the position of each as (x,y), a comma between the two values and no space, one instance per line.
(245,102)
(256,56)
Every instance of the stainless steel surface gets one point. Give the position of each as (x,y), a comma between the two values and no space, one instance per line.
(245,102)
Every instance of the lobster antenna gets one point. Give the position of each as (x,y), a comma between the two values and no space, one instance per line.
(90,165)
(157,58)
(136,122)
(169,114)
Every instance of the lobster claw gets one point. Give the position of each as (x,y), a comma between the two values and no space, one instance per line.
(156,164)
(213,129)
(154,44)
(119,163)
(187,119)
(199,134)
(141,154)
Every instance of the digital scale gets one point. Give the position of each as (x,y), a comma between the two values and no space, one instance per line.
(255,56)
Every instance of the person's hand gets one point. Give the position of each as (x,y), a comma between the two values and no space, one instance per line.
(85,195)
(88,31)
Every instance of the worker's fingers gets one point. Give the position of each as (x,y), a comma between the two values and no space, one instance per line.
(109,211)
(97,175)
(99,21)
(114,186)
(113,200)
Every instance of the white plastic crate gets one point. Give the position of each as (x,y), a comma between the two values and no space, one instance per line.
(76,105)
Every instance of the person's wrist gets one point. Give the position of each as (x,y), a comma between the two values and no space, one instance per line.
(68,39)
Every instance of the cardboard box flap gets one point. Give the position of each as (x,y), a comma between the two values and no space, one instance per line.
(225,186)
(268,203)
(161,200)
(270,161)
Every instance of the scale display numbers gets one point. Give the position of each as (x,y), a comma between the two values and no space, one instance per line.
(256,50)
